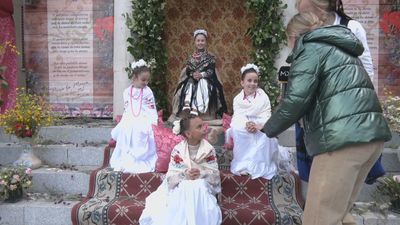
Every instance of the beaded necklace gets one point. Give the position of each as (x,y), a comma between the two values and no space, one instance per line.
(135,98)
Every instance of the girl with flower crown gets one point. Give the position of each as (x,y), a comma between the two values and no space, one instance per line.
(135,150)
(200,92)
(254,153)
(187,195)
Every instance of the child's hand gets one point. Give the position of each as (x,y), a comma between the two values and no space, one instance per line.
(193,173)
(251,127)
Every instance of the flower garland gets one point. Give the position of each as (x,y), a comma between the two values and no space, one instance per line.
(147,21)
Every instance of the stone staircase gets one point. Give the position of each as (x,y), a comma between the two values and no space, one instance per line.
(70,152)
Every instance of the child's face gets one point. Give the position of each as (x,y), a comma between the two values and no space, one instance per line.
(250,83)
(200,42)
(196,130)
(141,80)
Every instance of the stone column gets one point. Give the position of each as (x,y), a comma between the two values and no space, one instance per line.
(285,51)
(121,55)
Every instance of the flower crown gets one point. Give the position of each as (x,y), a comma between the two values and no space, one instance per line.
(249,66)
(177,127)
(200,31)
(139,64)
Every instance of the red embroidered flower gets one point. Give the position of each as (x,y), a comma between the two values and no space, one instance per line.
(177,159)
(210,158)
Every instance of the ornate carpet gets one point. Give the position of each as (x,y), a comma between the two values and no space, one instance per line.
(116,198)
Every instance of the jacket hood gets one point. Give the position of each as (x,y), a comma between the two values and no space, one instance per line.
(335,35)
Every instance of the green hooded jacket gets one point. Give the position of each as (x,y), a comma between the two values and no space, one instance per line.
(329,87)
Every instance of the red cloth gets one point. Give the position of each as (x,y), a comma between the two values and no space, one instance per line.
(9,60)
(6,8)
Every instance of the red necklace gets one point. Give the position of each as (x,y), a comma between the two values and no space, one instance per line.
(135,98)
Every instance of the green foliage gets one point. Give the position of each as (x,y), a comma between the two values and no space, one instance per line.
(388,190)
(146,23)
(268,35)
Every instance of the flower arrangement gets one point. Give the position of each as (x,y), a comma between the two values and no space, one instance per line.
(13,180)
(389,188)
(391,111)
(29,114)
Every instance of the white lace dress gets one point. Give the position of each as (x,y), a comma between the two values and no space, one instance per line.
(135,151)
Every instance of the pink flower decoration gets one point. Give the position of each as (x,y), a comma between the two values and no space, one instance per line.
(13,187)
(396,178)
(28,171)
(16,177)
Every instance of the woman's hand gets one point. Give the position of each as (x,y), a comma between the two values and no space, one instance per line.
(192,174)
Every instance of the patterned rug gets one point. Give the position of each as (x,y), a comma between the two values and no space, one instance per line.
(116,198)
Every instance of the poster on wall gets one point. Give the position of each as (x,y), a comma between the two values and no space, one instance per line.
(381,21)
(69,55)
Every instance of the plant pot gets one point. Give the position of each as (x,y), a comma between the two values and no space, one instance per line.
(395,206)
(27,158)
(15,195)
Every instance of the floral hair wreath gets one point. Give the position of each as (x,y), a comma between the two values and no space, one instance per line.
(200,31)
(177,127)
(139,64)
(249,66)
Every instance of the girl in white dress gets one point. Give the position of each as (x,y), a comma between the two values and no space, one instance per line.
(254,153)
(135,150)
(187,195)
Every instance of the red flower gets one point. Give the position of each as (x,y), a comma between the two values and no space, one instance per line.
(18,127)
(28,133)
(210,158)
(177,159)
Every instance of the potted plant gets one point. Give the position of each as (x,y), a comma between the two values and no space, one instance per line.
(389,189)
(30,113)
(13,180)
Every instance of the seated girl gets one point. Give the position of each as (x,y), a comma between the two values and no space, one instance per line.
(187,195)
(200,92)
(254,153)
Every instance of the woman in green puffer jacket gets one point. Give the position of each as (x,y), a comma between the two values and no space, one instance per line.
(344,126)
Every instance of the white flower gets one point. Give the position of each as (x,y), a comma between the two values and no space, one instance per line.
(250,66)
(177,127)
(138,64)
(200,31)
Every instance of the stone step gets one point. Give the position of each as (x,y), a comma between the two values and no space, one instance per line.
(61,181)
(41,212)
(53,155)
(68,134)
(38,212)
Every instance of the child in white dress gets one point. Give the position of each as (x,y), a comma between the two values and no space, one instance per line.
(254,153)
(187,195)
(135,150)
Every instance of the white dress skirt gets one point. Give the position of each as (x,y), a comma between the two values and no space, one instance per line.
(190,203)
(253,154)
(135,150)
